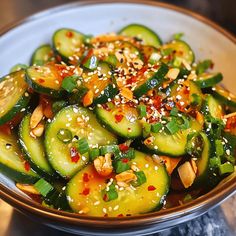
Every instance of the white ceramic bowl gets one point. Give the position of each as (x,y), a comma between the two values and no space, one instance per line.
(207,40)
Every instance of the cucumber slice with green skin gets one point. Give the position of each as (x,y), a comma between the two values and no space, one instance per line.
(81,123)
(148,36)
(33,149)
(45,80)
(102,83)
(171,145)
(224,96)
(67,43)
(180,51)
(122,119)
(151,80)
(208,80)
(13,95)
(18,67)
(88,195)
(203,163)
(42,55)
(212,107)
(11,162)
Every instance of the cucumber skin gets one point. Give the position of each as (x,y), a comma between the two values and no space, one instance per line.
(18,176)
(206,83)
(34,166)
(152,82)
(44,90)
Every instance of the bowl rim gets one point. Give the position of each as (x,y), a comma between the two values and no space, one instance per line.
(201,204)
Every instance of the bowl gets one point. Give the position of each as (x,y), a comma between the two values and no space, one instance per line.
(207,39)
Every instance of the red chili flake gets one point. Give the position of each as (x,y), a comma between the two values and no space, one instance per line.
(69,34)
(123,147)
(74,155)
(120,215)
(151,188)
(125,160)
(85,177)
(157,102)
(27,166)
(6,128)
(231,123)
(105,197)
(119,118)
(58,58)
(106,107)
(86,191)
(106,215)
(41,81)
(212,65)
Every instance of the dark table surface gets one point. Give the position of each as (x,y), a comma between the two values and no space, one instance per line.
(217,222)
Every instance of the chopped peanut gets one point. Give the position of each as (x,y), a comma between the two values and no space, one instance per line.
(27,188)
(200,118)
(186,174)
(194,165)
(38,130)
(173,73)
(170,163)
(126,176)
(36,116)
(103,165)
(88,98)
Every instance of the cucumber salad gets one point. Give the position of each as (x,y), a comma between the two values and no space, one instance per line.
(116,125)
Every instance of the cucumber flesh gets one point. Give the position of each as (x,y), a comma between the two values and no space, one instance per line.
(13,95)
(34,149)
(148,36)
(12,163)
(122,119)
(152,192)
(42,55)
(171,145)
(81,123)
(67,43)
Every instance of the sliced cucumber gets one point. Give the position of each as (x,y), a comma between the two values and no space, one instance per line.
(34,149)
(171,145)
(150,80)
(152,192)
(208,80)
(12,163)
(179,51)
(42,55)
(45,79)
(18,67)
(122,119)
(148,36)
(81,123)
(13,95)
(101,83)
(212,107)
(224,96)
(67,43)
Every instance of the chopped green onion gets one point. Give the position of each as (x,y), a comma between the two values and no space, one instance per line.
(83,146)
(226,168)
(195,99)
(91,63)
(177,62)
(18,67)
(155,128)
(87,38)
(94,153)
(141,179)
(64,135)
(146,129)
(219,147)
(76,96)
(109,149)
(43,187)
(110,193)
(203,66)
(195,144)
(130,154)
(215,162)
(174,111)
(111,59)
(230,158)
(178,36)
(142,111)
(172,126)
(69,83)
(185,124)
(121,166)
(58,105)
(167,51)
